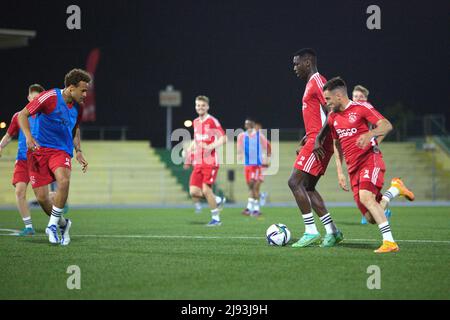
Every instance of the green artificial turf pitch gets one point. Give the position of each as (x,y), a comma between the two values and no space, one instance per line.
(170,254)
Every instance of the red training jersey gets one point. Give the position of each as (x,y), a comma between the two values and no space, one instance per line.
(13,129)
(206,132)
(348,125)
(313,115)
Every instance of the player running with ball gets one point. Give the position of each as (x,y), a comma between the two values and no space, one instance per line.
(349,125)
(307,167)
(50,151)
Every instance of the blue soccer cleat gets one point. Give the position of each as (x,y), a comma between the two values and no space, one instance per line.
(214,223)
(363,220)
(388,213)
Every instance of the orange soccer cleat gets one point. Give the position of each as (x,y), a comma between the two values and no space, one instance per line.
(404,191)
(387,246)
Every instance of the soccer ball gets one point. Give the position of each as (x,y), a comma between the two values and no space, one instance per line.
(278,235)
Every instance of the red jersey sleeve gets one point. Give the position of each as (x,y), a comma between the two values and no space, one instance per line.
(44,103)
(330,124)
(218,127)
(369,113)
(14,128)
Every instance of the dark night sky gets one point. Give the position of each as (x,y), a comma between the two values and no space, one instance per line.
(239,53)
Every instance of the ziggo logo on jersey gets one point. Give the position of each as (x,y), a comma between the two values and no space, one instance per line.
(346,132)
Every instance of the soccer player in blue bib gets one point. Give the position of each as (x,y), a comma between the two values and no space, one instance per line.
(251,145)
(50,151)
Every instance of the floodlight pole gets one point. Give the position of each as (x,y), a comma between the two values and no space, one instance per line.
(169,122)
(169,98)
(168,127)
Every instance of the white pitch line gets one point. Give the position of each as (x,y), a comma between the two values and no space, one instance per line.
(216,237)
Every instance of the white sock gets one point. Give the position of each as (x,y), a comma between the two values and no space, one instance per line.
(28,223)
(385,230)
(56,215)
(391,193)
(198,205)
(215,214)
(310,225)
(250,204)
(328,223)
(218,199)
(255,205)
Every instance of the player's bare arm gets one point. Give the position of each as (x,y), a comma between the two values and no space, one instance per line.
(240,149)
(216,144)
(380,139)
(25,126)
(318,150)
(4,142)
(383,128)
(266,160)
(339,157)
(187,155)
(79,153)
(301,144)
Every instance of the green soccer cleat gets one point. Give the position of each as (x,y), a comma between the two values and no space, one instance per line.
(26,232)
(339,236)
(308,239)
(330,240)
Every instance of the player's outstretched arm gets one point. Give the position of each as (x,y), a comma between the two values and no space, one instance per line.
(339,156)
(25,127)
(79,153)
(4,142)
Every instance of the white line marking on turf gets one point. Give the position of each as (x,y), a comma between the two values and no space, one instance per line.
(143,236)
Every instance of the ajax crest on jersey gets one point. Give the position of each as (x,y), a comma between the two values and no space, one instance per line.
(278,235)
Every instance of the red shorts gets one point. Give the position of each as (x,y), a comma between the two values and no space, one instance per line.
(202,174)
(253,173)
(306,160)
(42,164)
(20,172)
(368,176)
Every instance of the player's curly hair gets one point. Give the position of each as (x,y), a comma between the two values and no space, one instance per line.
(75,76)
(36,87)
